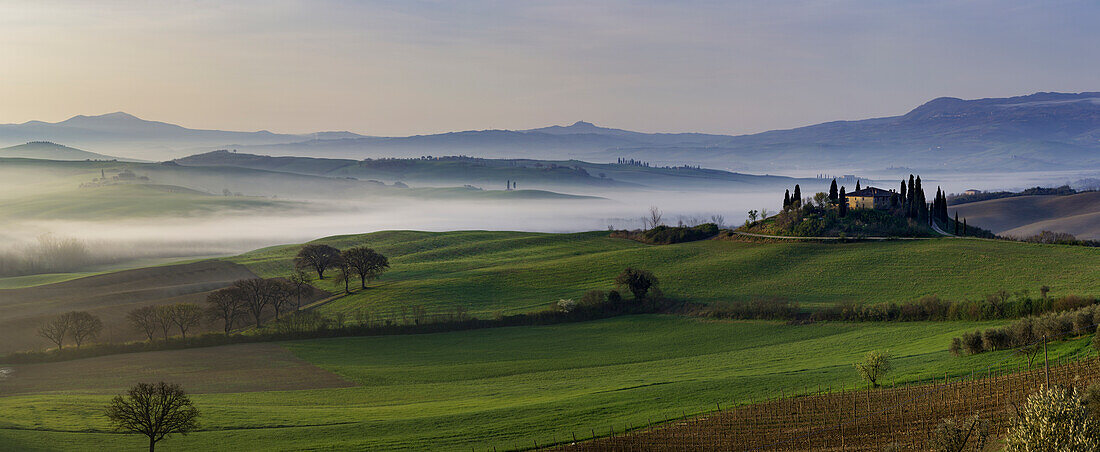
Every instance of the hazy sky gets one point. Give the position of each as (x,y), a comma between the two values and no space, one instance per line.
(405,67)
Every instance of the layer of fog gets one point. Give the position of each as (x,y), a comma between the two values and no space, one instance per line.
(121,240)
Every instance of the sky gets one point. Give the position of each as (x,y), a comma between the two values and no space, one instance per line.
(416,67)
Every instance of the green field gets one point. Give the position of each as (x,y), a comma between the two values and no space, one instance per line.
(503,387)
(519,271)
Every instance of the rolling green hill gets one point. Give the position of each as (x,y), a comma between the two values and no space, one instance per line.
(499,388)
(1022,216)
(520,271)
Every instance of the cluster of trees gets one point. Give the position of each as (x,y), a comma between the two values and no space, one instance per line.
(360,262)
(1057,238)
(78,326)
(152,320)
(251,299)
(1028,332)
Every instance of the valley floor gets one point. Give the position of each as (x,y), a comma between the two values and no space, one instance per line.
(504,388)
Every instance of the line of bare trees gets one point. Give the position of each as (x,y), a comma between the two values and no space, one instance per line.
(79,326)
(153,320)
(250,299)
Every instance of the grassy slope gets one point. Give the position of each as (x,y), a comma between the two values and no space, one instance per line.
(519,271)
(1077,214)
(510,386)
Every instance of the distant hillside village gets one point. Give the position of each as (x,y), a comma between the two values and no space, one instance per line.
(123,176)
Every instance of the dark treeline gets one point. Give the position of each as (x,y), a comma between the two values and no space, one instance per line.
(665,235)
(1055,238)
(985,196)
(995,306)
(312,324)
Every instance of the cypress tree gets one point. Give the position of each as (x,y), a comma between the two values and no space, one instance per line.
(964,226)
(857,184)
(833,196)
(787,199)
(796,201)
(956,222)
(902,192)
(842,208)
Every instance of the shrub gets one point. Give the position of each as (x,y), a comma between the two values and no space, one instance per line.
(874,366)
(1053,418)
(566,305)
(956,436)
(972,342)
(995,339)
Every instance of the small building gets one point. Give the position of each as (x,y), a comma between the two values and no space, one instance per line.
(869,198)
(972,192)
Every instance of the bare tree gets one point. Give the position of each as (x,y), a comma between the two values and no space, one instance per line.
(56,329)
(278,293)
(154,410)
(365,263)
(318,257)
(300,282)
(764,214)
(84,326)
(255,296)
(144,319)
(654,217)
(718,220)
(344,273)
(163,320)
(226,305)
(186,316)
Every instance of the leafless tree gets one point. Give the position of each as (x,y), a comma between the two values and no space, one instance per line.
(344,273)
(317,257)
(226,305)
(186,316)
(300,282)
(255,296)
(84,326)
(718,220)
(654,217)
(164,319)
(154,410)
(365,263)
(56,329)
(144,319)
(279,294)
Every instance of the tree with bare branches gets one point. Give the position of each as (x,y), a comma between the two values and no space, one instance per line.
(84,326)
(255,296)
(226,305)
(144,319)
(56,330)
(299,281)
(654,218)
(154,410)
(186,316)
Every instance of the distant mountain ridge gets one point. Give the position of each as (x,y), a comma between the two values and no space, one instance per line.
(1041,131)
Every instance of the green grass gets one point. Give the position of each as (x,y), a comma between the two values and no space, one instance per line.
(519,271)
(512,386)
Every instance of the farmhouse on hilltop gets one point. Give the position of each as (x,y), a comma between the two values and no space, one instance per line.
(869,198)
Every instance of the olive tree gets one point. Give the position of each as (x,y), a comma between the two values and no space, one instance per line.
(1053,418)
(154,410)
(874,366)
